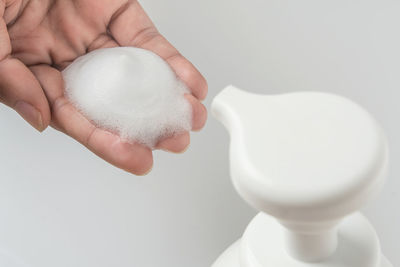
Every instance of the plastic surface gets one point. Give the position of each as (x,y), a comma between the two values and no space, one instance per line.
(359,246)
(309,159)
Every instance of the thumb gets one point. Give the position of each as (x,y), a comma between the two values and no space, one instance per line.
(20,90)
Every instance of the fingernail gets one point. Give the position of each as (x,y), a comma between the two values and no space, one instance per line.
(30,114)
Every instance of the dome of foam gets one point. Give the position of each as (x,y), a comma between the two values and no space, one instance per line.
(130,91)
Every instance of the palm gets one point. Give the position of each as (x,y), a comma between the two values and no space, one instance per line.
(47,37)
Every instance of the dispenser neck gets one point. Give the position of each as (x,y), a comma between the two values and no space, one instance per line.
(310,242)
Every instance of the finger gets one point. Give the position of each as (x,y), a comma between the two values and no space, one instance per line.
(134,158)
(18,87)
(130,26)
(20,90)
(179,143)
(175,144)
(199,113)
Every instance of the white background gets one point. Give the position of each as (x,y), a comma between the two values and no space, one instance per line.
(61,206)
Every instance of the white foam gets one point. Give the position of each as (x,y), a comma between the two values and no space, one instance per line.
(130,91)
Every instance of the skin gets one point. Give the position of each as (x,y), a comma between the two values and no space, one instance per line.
(39,38)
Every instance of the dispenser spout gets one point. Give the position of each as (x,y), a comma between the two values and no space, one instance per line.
(226,106)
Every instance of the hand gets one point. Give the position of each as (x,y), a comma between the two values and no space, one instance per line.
(38,39)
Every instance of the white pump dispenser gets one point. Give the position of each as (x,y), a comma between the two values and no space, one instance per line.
(307,161)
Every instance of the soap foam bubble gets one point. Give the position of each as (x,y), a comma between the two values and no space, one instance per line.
(130,91)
